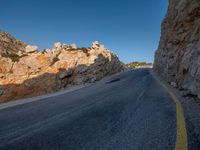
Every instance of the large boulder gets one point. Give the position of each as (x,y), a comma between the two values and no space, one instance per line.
(57,45)
(73,46)
(96,45)
(31,48)
(66,73)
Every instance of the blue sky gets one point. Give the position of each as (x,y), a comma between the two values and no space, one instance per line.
(130,28)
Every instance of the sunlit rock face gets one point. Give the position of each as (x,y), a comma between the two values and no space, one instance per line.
(25,71)
(178,56)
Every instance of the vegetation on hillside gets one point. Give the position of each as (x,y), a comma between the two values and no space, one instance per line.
(14,57)
(84,49)
(137,64)
(55,59)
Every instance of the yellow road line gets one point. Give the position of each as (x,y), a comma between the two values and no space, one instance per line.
(181,132)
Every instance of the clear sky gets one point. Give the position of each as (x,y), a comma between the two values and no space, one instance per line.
(129,28)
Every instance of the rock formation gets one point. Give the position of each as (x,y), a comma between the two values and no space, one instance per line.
(178,56)
(9,43)
(25,71)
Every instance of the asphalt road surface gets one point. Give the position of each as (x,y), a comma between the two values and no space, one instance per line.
(128,111)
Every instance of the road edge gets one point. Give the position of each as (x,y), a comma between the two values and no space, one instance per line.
(60,92)
(181,131)
(41,97)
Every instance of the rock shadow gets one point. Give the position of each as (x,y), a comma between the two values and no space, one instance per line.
(65,77)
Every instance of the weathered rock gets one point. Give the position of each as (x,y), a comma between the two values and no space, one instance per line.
(54,69)
(57,45)
(96,45)
(178,56)
(8,44)
(66,73)
(31,48)
(173,84)
(73,46)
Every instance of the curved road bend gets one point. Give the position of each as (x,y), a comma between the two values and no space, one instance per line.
(129,111)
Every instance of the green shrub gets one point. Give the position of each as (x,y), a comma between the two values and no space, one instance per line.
(55,59)
(23,55)
(84,49)
(137,64)
(14,57)
(43,51)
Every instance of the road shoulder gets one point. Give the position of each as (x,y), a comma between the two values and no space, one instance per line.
(191,115)
(61,92)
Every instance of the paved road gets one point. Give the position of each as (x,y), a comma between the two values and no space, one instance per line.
(129,111)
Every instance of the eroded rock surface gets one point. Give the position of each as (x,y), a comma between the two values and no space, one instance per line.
(178,56)
(9,43)
(25,71)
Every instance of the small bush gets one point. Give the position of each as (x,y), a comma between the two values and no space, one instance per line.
(43,51)
(84,49)
(137,64)
(23,55)
(55,59)
(14,57)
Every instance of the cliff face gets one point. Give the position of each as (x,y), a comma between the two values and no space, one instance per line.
(9,44)
(178,56)
(28,72)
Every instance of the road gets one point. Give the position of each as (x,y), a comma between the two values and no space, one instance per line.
(128,111)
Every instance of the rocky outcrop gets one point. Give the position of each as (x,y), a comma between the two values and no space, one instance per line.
(178,56)
(35,73)
(31,48)
(8,44)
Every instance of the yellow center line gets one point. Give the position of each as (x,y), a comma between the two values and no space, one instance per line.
(181,132)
